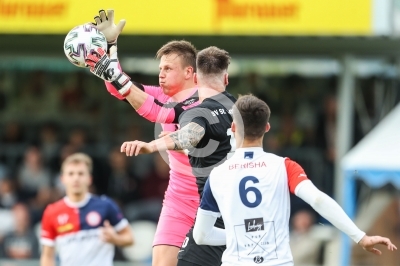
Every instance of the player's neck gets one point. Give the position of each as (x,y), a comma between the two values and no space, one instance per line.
(250,144)
(77,198)
(184,93)
(207,92)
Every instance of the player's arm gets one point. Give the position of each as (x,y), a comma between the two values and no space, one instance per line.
(204,232)
(148,101)
(329,209)
(47,258)
(116,229)
(47,238)
(122,237)
(185,138)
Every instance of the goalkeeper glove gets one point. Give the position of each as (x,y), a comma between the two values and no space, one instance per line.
(107,68)
(105,23)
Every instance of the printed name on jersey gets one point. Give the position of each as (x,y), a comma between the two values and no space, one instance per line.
(247,165)
(220,111)
(93,218)
(254,224)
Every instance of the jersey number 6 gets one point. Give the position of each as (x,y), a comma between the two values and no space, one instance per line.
(243,192)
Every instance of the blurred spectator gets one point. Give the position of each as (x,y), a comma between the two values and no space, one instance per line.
(12,134)
(34,180)
(21,243)
(290,135)
(49,145)
(8,193)
(255,84)
(3,99)
(73,94)
(326,139)
(152,188)
(123,185)
(271,143)
(77,138)
(305,248)
(38,97)
(156,182)
(141,164)
(326,127)
(75,97)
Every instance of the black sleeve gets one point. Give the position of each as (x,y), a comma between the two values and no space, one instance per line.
(137,84)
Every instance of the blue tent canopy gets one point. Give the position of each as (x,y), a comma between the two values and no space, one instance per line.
(376,161)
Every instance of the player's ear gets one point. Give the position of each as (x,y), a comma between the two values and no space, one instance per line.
(189,72)
(226,81)
(195,78)
(233,127)
(267,127)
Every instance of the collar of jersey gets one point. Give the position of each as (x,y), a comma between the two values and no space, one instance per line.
(79,204)
(238,151)
(250,149)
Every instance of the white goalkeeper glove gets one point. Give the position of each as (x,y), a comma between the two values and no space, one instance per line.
(105,23)
(107,68)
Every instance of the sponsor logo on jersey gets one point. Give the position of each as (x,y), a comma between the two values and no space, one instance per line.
(93,218)
(248,155)
(65,228)
(189,101)
(254,224)
(62,219)
(258,259)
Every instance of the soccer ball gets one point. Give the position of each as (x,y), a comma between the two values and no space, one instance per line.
(81,41)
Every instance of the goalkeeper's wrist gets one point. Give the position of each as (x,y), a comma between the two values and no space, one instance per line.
(111,44)
(123,84)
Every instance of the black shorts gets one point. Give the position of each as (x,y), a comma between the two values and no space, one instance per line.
(199,254)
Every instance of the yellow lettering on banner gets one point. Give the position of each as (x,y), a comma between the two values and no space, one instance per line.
(229,17)
(15,9)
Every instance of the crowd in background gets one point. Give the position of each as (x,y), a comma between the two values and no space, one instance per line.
(47,116)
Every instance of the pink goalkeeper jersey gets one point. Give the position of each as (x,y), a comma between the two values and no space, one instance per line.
(158,107)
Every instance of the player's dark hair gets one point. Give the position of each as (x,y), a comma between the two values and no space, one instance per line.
(212,60)
(182,48)
(78,158)
(255,115)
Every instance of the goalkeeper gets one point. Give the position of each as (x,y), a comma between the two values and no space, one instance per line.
(162,104)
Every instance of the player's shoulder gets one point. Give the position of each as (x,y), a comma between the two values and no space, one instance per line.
(102,199)
(55,207)
(192,100)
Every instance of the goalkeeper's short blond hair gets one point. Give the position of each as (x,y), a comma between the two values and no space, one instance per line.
(78,158)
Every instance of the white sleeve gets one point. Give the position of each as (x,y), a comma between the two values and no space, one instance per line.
(204,232)
(329,209)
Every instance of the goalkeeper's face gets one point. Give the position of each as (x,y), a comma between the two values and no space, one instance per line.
(174,76)
(76,178)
